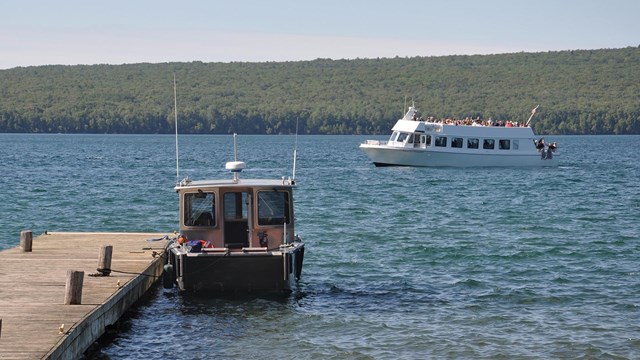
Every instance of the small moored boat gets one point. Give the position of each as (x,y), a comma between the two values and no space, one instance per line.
(235,235)
(427,142)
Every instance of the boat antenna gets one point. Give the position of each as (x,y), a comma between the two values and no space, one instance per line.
(284,232)
(235,147)
(533,112)
(175,106)
(295,152)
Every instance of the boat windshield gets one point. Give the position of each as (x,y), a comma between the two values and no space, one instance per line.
(273,207)
(199,209)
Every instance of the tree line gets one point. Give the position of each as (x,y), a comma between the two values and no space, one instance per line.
(579,92)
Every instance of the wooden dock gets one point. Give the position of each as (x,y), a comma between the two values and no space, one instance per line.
(32,291)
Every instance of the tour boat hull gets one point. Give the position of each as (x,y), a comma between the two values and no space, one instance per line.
(392,156)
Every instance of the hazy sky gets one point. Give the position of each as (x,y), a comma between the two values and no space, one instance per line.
(43,32)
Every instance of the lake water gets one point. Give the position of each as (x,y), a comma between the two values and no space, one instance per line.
(401,263)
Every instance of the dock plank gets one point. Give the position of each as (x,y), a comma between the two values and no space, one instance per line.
(32,290)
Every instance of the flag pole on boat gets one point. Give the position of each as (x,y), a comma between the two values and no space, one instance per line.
(533,112)
(404,109)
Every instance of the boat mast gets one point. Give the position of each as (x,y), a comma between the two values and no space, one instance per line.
(295,150)
(175,106)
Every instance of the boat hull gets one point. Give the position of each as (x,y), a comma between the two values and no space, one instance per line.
(382,155)
(240,271)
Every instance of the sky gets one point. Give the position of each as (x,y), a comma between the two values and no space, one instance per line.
(71,32)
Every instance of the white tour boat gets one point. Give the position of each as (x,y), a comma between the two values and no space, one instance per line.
(420,142)
(235,235)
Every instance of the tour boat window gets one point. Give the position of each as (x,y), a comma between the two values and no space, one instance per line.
(410,141)
(393,137)
(273,207)
(235,205)
(428,140)
(402,137)
(441,141)
(516,144)
(472,143)
(456,142)
(489,144)
(199,209)
(504,144)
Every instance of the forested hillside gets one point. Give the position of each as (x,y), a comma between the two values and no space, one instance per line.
(579,92)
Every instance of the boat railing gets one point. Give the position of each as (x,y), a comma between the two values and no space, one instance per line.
(375,142)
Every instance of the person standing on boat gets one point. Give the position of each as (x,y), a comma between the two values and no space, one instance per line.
(540,144)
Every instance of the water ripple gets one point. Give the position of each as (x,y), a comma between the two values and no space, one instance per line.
(402,263)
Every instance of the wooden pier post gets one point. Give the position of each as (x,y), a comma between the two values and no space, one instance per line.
(104,260)
(73,289)
(26,240)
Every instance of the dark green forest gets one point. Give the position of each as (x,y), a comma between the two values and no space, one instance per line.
(579,92)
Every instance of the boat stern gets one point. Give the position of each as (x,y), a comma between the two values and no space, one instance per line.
(197,269)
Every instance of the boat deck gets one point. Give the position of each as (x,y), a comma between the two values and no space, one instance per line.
(32,291)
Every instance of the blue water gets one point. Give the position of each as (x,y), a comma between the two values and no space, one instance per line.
(401,263)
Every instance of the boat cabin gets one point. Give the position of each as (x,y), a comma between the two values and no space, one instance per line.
(237,214)
(418,134)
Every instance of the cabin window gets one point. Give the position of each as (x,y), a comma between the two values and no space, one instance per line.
(516,144)
(489,144)
(504,144)
(402,137)
(425,140)
(235,205)
(273,207)
(456,142)
(472,143)
(393,137)
(441,141)
(410,141)
(200,209)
